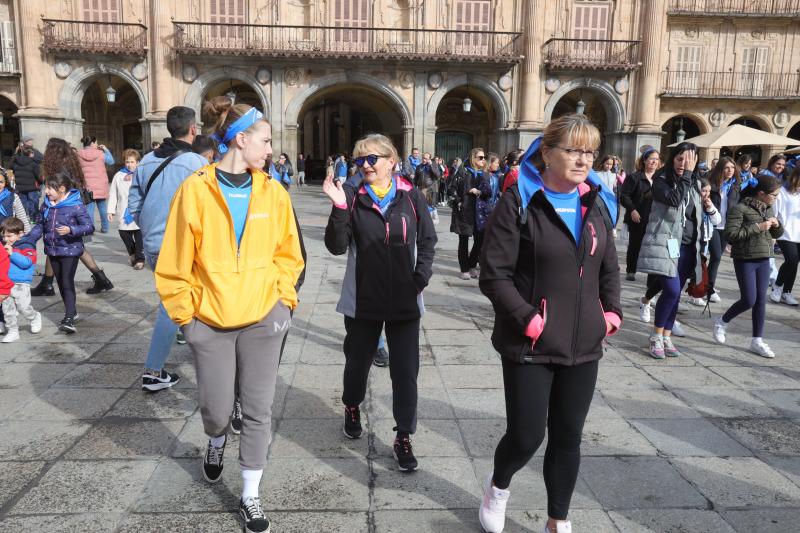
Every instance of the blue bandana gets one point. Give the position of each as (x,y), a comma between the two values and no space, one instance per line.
(383,204)
(241,124)
(3,195)
(72,199)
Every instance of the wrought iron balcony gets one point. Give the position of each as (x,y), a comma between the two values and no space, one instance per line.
(591,54)
(745,85)
(204,38)
(80,36)
(741,8)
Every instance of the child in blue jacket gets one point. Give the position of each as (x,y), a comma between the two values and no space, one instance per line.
(63,223)
(22,253)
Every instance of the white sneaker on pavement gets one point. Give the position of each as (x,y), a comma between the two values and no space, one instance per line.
(699,302)
(644,311)
(788,299)
(715,298)
(719,330)
(775,295)
(474,272)
(464,275)
(11,336)
(36,323)
(492,513)
(677,329)
(759,347)
(561,527)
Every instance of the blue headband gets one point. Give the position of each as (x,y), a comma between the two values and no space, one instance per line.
(241,124)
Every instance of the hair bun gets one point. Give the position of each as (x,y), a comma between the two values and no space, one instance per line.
(215,111)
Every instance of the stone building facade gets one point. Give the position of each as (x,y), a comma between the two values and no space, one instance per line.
(327,71)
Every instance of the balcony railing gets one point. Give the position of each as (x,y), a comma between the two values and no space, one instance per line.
(591,54)
(342,42)
(763,8)
(746,85)
(80,36)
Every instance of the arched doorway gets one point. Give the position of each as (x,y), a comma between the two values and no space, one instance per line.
(677,123)
(755,151)
(241,92)
(112,112)
(593,108)
(335,117)
(794,133)
(458,131)
(9,129)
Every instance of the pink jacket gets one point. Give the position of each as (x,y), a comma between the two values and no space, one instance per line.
(94,171)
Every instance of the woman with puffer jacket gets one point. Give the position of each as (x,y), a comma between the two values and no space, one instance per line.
(94,158)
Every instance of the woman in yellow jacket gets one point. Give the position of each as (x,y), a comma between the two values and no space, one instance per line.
(226,274)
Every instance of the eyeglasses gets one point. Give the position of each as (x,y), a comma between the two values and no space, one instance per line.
(574,153)
(371,159)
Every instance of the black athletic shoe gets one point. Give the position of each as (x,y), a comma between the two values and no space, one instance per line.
(630,277)
(153,383)
(381,357)
(180,339)
(212,462)
(404,454)
(352,422)
(68,326)
(255,521)
(236,417)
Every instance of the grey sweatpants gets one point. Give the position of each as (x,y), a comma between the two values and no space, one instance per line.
(251,356)
(18,303)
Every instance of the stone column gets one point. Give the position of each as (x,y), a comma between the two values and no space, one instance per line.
(420,99)
(279,135)
(649,73)
(530,86)
(160,64)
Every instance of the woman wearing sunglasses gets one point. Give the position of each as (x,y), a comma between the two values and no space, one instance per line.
(386,230)
(464,194)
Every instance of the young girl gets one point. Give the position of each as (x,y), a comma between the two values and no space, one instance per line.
(226,274)
(129,232)
(63,222)
(711,218)
(750,227)
(787,210)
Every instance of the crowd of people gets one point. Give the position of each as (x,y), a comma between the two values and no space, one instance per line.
(212,218)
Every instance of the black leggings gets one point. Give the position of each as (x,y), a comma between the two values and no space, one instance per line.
(716,248)
(64,269)
(467,258)
(635,236)
(542,395)
(359,349)
(788,270)
(133,243)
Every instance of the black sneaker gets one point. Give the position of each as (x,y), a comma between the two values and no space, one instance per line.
(404,454)
(236,417)
(352,422)
(381,357)
(154,383)
(180,339)
(212,462)
(630,277)
(68,326)
(255,521)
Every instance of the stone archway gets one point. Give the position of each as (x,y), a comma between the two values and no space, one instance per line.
(204,82)
(489,88)
(692,124)
(614,109)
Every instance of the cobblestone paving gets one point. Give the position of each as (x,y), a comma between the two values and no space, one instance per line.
(707,442)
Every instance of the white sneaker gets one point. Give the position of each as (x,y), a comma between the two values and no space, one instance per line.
(699,302)
(492,513)
(776,293)
(715,299)
(644,311)
(561,527)
(759,347)
(677,329)
(719,330)
(788,299)
(11,336)
(435,217)
(473,272)
(36,323)
(464,275)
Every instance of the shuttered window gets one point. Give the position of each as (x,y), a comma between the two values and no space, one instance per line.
(351,14)
(687,66)
(591,20)
(102,11)
(8,57)
(754,68)
(473,15)
(230,13)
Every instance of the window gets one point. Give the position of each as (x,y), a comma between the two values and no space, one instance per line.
(754,70)
(351,14)
(590,21)
(687,67)
(8,58)
(228,13)
(473,16)
(101,11)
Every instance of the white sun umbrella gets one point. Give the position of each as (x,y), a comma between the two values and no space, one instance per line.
(792,151)
(738,135)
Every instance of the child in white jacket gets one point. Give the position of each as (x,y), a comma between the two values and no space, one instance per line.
(118,205)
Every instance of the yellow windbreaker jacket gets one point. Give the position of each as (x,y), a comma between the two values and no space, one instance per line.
(201,273)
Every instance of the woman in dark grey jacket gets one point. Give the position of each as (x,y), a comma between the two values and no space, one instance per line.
(464,194)
(750,228)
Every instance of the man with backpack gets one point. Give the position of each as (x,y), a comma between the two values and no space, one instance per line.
(157,178)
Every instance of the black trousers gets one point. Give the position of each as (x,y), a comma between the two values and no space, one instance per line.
(360,341)
(653,286)
(539,396)
(635,236)
(467,258)
(788,271)
(133,243)
(716,248)
(64,269)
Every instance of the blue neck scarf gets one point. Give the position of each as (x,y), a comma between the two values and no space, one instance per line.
(3,196)
(414,161)
(383,204)
(72,199)
(241,124)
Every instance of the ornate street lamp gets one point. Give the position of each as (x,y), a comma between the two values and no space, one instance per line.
(580,108)
(111,94)
(680,135)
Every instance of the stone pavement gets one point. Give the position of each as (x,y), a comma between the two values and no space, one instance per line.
(708,442)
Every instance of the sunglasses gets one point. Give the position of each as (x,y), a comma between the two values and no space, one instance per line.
(480,157)
(371,159)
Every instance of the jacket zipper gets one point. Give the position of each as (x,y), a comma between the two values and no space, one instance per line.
(580,280)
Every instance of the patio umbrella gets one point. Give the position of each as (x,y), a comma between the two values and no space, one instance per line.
(738,135)
(792,151)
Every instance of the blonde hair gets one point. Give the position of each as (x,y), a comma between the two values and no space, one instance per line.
(474,152)
(381,144)
(573,129)
(130,152)
(221,112)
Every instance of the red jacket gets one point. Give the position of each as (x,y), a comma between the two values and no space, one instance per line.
(5,282)
(511,178)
